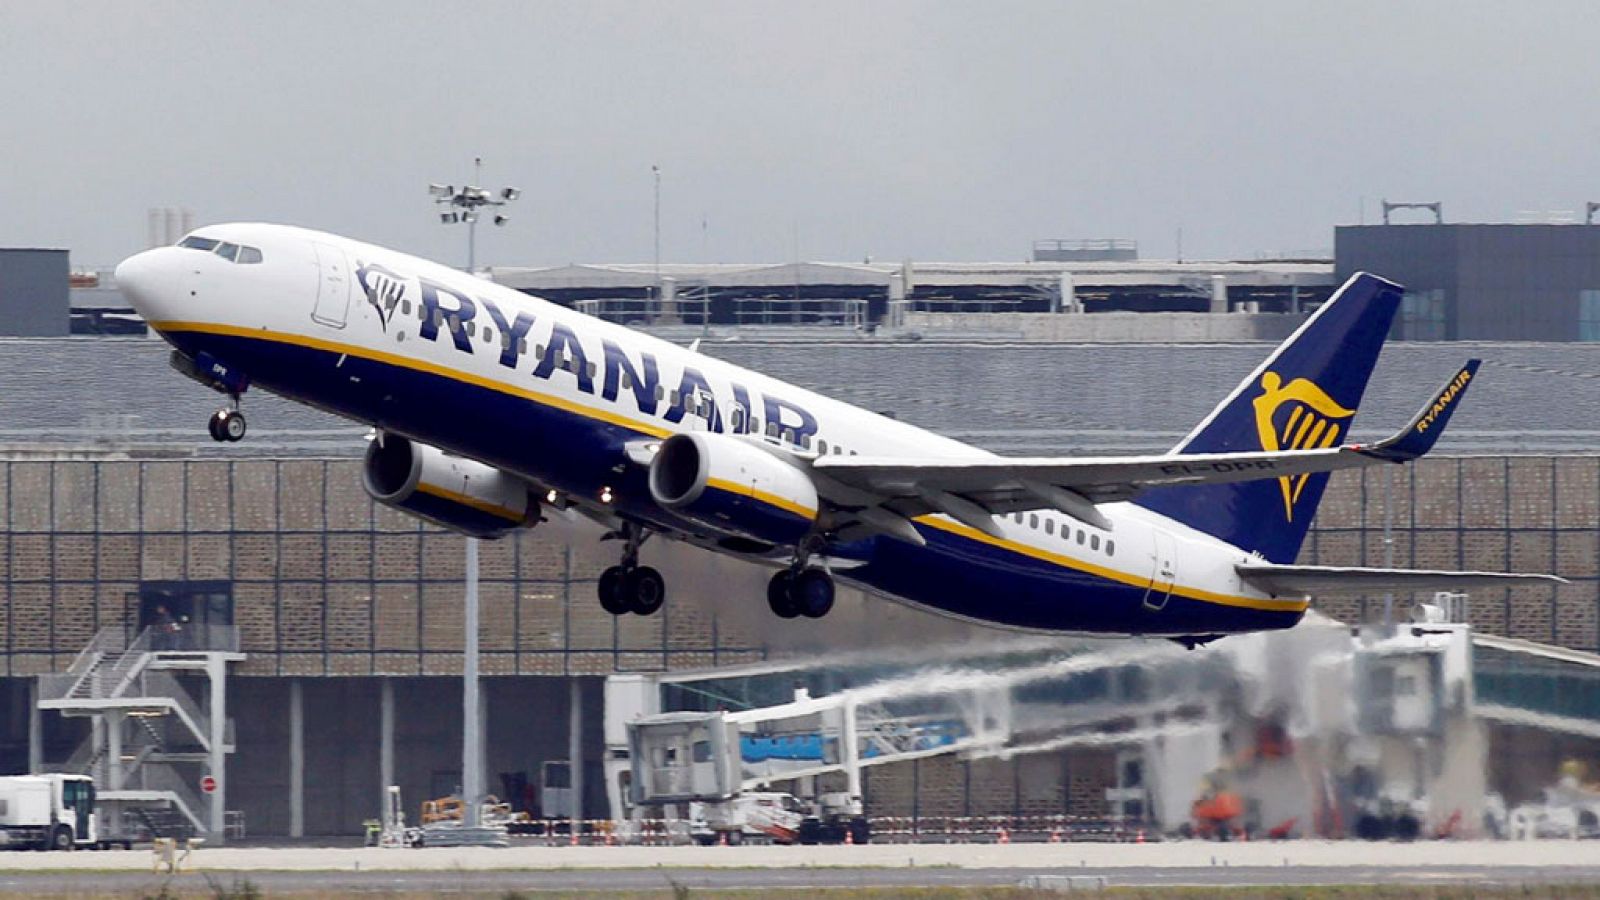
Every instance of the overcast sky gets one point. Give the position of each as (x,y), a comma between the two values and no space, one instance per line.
(820,130)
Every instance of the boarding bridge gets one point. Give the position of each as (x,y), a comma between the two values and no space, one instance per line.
(152,742)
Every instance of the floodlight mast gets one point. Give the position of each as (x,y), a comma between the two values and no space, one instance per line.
(466,202)
(464,206)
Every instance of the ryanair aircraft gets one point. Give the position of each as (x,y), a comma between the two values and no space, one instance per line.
(490,406)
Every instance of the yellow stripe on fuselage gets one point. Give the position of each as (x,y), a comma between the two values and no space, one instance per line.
(770,499)
(973,534)
(417,365)
(482,506)
(654,430)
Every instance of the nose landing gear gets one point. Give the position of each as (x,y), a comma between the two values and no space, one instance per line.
(227,425)
(630,587)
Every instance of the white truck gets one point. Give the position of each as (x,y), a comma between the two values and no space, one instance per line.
(47,812)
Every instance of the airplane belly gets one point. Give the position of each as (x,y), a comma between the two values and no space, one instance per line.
(968,579)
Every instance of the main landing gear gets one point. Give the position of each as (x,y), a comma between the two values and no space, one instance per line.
(801,591)
(227,424)
(630,587)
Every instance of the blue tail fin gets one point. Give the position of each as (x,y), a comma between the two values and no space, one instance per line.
(1302,397)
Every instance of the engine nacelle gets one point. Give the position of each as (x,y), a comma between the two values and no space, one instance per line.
(733,488)
(460,494)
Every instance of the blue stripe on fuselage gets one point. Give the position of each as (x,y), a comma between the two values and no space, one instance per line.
(955,573)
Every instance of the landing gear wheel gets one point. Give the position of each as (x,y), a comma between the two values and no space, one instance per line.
(645,590)
(811,593)
(780,598)
(612,599)
(227,425)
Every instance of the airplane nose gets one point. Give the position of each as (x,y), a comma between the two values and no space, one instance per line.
(145,281)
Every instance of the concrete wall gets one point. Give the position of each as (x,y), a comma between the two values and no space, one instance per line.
(33,293)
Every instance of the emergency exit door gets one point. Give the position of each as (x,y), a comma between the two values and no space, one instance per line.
(1164,571)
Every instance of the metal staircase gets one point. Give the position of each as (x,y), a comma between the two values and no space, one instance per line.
(151,741)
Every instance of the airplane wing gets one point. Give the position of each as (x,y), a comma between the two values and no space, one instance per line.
(1280,580)
(972,490)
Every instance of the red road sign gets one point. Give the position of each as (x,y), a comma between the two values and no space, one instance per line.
(208,784)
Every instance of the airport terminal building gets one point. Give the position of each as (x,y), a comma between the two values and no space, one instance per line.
(342,617)
(328,626)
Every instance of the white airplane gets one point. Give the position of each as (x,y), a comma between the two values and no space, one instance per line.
(490,405)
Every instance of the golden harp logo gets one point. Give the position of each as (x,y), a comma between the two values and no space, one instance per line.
(1296,416)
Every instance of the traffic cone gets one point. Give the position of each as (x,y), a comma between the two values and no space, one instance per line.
(849,838)
(722,839)
(1055,836)
(1139,838)
(573,830)
(1005,836)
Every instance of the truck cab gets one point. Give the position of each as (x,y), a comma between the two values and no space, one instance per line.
(48,812)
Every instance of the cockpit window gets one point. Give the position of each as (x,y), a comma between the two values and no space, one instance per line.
(235,253)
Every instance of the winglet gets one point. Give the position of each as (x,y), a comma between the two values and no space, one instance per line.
(1419,436)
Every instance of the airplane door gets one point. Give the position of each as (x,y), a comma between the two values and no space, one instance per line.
(333,286)
(1163,573)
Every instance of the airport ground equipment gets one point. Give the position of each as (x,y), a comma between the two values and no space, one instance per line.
(152,743)
(48,812)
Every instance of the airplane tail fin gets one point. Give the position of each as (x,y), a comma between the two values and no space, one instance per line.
(1303,397)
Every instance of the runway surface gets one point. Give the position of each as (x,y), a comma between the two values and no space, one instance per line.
(306,869)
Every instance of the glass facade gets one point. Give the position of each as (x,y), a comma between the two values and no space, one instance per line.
(324,581)
(1589,315)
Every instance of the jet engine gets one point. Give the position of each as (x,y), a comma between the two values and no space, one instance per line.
(733,488)
(457,493)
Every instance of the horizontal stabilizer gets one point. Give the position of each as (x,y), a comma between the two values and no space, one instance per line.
(1281,580)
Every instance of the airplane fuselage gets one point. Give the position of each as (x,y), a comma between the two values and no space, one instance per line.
(558,398)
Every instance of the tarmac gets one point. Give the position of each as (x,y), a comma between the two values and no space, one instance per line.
(455,870)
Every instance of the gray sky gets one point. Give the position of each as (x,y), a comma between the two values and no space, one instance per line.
(827,130)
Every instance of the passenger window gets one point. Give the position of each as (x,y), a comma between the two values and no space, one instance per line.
(660,393)
(1094,542)
(1018,517)
(522,343)
(405,307)
(488,334)
(805,442)
(772,429)
(591,370)
(822,446)
(1033,521)
(249,255)
(538,350)
(755,425)
(1111,548)
(735,419)
(1080,537)
(1049,526)
(627,381)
